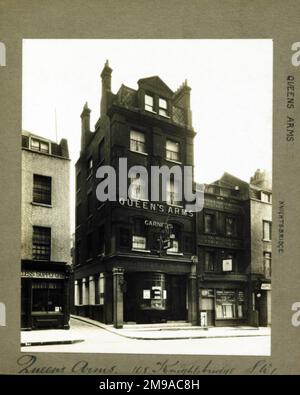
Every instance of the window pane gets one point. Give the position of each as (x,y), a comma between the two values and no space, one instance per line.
(41,243)
(41,189)
(149,100)
(267,230)
(230,226)
(44,147)
(209,261)
(175,246)
(209,223)
(162,103)
(137,141)
(149,103)
(139,242)
(172,150)
(35,144)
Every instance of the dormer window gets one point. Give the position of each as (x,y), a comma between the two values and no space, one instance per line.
(266,197)
(39,145)
(163,107)
(149,103)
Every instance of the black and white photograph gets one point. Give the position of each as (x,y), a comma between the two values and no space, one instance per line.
(146,196)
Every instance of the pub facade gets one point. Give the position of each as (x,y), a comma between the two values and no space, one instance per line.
(126,268)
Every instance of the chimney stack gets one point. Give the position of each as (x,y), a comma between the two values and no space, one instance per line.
(85,125)
(106,88)
(182,99)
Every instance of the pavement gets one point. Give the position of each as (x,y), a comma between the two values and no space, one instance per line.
(168,331)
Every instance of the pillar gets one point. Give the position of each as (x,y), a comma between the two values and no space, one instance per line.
(118,284)
(192,295)
(85,293)
(92,289)
(76,293)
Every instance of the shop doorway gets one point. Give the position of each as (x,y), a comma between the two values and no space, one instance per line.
(154,298)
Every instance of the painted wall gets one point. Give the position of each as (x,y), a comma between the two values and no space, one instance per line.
(58,216)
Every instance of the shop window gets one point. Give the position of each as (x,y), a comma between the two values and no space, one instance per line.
(230,226)
(163,107)
(229,304)
(47,296)
(152,293)
(101,151)
(209,223)
(39,145)
(137,141)
(209,261)
(267,230)
(267,264)
(41,189)
(149,103)
(41,243)
(172,151)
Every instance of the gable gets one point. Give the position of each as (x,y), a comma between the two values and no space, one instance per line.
(156,85)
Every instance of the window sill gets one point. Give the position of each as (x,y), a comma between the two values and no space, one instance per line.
(174,161)
(151,111)
(41,204)
(139,152)
(89,260)
(174,253)
(164,116)
(269,240)
(138,250)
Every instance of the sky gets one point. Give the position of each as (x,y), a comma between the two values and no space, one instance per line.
(231,94)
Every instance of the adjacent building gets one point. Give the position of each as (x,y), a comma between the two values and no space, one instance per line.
(260,201)
(223,247)
(234,233)
(45,234)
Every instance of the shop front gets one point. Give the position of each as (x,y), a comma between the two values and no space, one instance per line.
(223,306)
(155,297)
(44,297)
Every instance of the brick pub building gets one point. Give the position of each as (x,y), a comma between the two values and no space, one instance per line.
(120,276)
